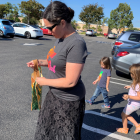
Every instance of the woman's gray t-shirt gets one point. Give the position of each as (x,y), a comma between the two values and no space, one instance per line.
(71,49)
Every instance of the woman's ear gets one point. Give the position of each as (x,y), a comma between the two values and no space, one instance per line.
(63,23)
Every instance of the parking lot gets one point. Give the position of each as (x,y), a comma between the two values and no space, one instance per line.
(18,122)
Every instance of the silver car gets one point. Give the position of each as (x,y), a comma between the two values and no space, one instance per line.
(90,32)
(112,35)
(124,57)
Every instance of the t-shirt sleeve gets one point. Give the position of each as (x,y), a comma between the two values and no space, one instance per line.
(109,73)
(77,53)
(137,88)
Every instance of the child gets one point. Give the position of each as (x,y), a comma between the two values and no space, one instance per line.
(133,98)
(103,83)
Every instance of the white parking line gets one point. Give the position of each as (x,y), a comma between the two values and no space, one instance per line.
(106,133)
(120,79)
(106,116)
(118,83)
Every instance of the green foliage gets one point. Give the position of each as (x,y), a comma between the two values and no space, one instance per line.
(74,24)
(32,9)
(99,29)
(15,12)
(78,27)
(93,28)
(2,10)
(8,9)
(133,29)
(86,26)
(32,21)
(121,17)
(91,13)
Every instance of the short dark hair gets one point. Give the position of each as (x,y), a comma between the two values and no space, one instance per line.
(106,62)
(56,11)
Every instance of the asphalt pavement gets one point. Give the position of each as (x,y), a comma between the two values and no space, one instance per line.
(18,122)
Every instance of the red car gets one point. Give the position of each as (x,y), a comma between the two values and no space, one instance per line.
(46,31)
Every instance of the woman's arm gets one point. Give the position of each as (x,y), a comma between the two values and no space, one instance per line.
(73,72)
(42,62)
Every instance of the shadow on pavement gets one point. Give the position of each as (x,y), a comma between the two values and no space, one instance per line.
(106,124)
(6,39)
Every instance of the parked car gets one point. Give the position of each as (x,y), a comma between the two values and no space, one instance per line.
(90,32)
(6,29)
(124,57)
(29,31)
(126,39)
(112,35)
(46,31)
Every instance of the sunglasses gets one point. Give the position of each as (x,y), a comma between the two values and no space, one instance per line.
(51,28)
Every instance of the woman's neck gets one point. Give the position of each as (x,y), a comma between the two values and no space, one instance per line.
(69,31)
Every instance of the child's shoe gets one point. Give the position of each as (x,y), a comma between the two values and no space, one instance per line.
(105,106)
(122,130)
(137,131)
(89,102)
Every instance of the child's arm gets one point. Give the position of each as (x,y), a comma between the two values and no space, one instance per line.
(137,98)
(126,87)
(94,82)
(107,83)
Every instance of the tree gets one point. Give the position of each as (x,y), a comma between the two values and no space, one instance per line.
(121,17)
(99,29)
(78,27)
(86,26)
(32,21)
(2,10)
(74,24)
(105,20)
(93,28)
(31,9)
(8,9)
(91,13)
(15,11)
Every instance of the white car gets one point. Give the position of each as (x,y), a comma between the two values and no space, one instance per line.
(29,31)
(90,32)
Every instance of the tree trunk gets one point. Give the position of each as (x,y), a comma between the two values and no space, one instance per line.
(96,26)
(28,20)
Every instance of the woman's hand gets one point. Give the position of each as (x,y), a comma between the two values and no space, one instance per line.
(127,87)
(125,97)
(30,64)
(41,81)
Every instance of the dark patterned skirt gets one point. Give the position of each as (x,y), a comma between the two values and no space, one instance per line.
(60,119)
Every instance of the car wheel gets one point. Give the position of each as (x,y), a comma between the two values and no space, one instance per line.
(1,33)
(28,35)
(11,36)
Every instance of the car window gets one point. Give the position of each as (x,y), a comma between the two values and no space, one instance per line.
(134,37)
(15,25)
(6,23)
(89,30)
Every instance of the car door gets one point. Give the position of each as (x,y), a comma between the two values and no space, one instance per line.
(15,26)
(21,29)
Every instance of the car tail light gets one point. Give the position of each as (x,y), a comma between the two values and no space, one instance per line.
(117,43)
(120,54)
(4,27)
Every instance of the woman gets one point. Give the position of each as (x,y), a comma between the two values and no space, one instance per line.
(61,115)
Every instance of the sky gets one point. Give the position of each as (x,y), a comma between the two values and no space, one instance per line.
(108,5)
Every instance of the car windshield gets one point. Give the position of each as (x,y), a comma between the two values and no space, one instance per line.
(89,30)
(35,26)
(6,23)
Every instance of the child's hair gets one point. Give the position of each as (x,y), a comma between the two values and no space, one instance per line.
(106,62)
(135,71)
